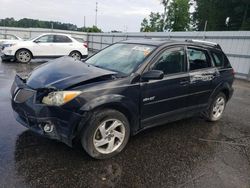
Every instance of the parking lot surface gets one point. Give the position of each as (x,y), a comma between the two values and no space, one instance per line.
(187,153)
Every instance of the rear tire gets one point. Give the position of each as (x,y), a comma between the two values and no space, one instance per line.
(23,56)
(216,108)
(106,134)
(76,55)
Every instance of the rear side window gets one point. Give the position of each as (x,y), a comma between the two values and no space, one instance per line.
(198,59)
(220,60)
(79,39)
(171,61)
(62,39)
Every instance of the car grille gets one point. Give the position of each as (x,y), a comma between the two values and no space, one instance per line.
(23,95)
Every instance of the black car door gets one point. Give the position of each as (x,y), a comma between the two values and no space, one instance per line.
(163,98)
(201,72)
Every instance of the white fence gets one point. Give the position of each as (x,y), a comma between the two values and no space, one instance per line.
(236,44)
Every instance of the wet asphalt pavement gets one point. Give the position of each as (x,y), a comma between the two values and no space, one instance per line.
(187,153)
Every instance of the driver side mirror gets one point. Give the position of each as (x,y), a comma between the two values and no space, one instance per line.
(37,41)
(152,75)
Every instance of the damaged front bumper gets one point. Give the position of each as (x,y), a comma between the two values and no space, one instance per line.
(54,122)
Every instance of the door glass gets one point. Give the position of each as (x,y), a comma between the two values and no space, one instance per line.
(81,40)
(198,59)
(62,39)
(218,59)
(171,61)
(45,39)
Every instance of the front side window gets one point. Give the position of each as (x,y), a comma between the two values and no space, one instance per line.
(45,39)
(171,61)
(198,59)
(62,39)
(121,57)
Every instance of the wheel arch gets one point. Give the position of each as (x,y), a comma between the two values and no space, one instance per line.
(116,102)
(76,51)
(222,87)
(25,49)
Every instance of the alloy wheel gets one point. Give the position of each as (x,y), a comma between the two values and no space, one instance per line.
(76,55)
(218,108)
(109,136)
(23,56)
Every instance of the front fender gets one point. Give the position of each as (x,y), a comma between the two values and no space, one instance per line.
(117,102)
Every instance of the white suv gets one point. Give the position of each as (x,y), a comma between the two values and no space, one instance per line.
(45,46)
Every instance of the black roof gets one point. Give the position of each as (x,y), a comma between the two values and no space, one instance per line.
(153,42)
(160,42)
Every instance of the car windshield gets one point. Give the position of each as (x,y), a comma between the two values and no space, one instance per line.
(121,57)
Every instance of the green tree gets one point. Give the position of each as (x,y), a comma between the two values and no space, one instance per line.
(165,3)
(92,29)
(153,24)
(178,17)
(215,13)
(26,23)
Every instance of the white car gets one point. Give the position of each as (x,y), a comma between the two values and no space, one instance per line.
(45,46)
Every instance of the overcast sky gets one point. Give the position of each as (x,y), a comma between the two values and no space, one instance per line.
(112,14)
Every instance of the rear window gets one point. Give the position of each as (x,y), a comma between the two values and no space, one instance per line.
(220,60)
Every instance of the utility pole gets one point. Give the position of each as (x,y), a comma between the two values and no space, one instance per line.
(205,29)
(96,10)
(84,22)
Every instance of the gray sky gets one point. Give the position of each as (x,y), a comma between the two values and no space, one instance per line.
(112,14)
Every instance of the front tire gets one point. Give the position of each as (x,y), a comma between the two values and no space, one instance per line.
(216,109)
(106,134)
(23,56)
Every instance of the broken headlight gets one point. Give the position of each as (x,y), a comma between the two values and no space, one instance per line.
(60,97)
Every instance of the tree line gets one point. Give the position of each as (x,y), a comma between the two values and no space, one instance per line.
(28,23)
(197,15)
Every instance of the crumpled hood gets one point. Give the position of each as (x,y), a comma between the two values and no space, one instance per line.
(63,73)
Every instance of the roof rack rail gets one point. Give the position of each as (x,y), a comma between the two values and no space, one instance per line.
(204,42)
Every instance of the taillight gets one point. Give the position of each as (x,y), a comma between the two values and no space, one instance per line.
(233,72)
(85,44)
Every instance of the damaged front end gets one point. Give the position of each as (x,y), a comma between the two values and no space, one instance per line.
(55,122)
(46,101)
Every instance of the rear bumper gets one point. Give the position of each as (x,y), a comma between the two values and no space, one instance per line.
(231,91)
